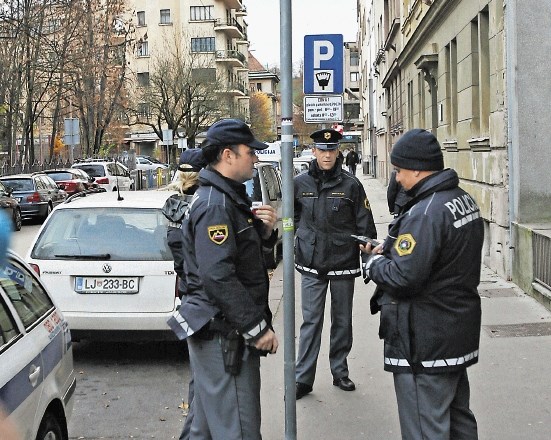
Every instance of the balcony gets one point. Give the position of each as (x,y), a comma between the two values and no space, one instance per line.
(234,4)
(231,28)
(237,89)
(241,12)
(232,57)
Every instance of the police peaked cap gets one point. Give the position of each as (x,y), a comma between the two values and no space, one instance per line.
(326,139)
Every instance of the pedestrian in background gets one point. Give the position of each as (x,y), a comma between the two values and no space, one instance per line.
(396,195)
(191,162)
(352,160)
(427,273)
(330,205)
(226,316)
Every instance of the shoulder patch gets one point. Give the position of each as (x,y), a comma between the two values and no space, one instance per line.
(366,204)
(404,244)
(218,234)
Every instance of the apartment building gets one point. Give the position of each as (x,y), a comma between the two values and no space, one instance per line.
(473,72)
(213,32)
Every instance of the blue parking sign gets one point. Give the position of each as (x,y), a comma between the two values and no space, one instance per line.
(323,64)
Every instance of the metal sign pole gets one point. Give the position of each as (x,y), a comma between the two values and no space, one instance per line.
(288,216)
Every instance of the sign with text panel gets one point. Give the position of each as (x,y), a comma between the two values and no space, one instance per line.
(323,64)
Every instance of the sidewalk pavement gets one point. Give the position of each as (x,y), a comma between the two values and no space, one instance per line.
(510,386)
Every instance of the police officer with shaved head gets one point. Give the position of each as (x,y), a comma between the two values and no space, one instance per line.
(226,318)
(330,205)
(427,273)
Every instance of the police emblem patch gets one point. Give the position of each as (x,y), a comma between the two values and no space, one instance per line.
(404,244)
(218,234)
(327,136)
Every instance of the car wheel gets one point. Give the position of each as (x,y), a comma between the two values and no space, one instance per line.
(48,211)
(271,257)
(17,220)
(50,428)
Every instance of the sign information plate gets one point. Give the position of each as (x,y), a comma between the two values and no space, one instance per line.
(326,108)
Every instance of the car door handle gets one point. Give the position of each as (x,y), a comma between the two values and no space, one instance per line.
(34,375)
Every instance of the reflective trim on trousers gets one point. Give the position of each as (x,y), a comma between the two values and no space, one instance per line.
(331,272)
(436,363)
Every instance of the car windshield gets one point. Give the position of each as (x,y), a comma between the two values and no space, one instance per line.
(120,234)
(93,170)
(61,175)
(19,184)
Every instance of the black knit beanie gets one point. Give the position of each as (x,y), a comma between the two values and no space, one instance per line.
(417,150)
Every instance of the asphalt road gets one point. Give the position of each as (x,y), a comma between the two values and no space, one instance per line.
(124,390)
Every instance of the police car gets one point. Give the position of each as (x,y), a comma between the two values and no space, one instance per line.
(37,380)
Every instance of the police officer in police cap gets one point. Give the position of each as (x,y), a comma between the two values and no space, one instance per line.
(330,205)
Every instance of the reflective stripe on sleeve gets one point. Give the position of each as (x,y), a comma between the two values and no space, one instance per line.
(255,331)
(436,363)
(331,272)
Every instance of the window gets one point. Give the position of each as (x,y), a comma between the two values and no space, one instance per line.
(141,18)
(259,87)
(200,13)
(354,59)
(202,44)
(451,85)
(354,76)
(143,110)
(165,16)
(143,79)
(29,299)
(143,49)
(8,327)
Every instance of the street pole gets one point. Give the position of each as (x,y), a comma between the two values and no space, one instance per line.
(288,216)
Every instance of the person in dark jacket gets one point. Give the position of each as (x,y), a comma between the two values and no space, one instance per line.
(352,160)
(226,318)
(330,205)
(191,162)
(427,272)
(396,195)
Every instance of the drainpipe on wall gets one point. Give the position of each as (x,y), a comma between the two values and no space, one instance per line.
(511,63)
(372,129)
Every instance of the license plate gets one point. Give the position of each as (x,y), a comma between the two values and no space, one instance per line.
(106,284)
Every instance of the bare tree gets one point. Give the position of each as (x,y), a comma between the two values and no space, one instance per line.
(184,92)
(98,66)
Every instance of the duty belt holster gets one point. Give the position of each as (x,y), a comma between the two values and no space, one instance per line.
(232,343)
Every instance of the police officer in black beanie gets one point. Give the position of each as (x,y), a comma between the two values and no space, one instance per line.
(427,272)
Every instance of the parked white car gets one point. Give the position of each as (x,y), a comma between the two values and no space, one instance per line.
(265,187)
(145,164)
(110,264)
(110,175)
(37,379)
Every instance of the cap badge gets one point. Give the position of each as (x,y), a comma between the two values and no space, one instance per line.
(327,136)
(218,234)
(404,245)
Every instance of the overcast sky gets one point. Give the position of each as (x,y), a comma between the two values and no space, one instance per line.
(310,17)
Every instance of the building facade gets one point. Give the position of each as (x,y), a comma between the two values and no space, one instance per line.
(470,72)
(264,81)
(212,32)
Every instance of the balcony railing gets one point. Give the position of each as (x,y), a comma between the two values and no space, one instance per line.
(231,54)
(232,22)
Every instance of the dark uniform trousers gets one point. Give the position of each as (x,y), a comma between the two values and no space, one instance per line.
(314,291)
(435,406)
(232,402)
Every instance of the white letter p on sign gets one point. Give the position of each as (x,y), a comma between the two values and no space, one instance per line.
(318,56)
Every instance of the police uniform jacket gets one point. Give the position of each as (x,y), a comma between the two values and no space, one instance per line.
(427,280)
(225,268)
(329,206)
